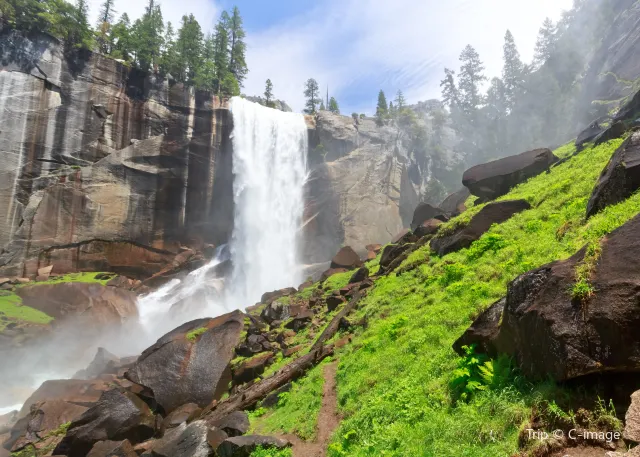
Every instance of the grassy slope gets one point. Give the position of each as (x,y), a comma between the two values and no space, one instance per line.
(11,304)
(394,380)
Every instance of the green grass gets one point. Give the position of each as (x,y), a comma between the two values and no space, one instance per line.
(194,334)
(89,277)
(395,380)
(261,452)
(296,411)
(11,307)
(337,281)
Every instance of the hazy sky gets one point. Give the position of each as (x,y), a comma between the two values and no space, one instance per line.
(356,47)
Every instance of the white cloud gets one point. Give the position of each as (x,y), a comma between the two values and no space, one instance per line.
(205,11)
(405,44)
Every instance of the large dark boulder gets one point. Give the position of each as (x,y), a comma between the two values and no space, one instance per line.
(619,179)
(428,227)
(360,275)
(251,368)
(494,179)
(275,311)
(493,213)
(552,333)
(483,332)
(454,204)
(118,415)
(180,415)
(103,362)
(268,297)
(243,446)
(346,258)
(112,449)
(630,112)
(615,130)
(588,135)
(392,252)
(192,440)
(425,211)
(234,424)
(190,364)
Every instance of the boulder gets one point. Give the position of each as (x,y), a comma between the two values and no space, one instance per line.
(190,364)
(75,391)
(91,304)
(493,213)
(552,333)
(615,130)
(43,418)
(330,272)
(454,204)
(346,258)
(588,135)
(619,179)
(300,320)
(632,419)
(268,297)
(428,227)
(190,440)
(404,236)
(180,415)
(112,449)
(630,112)
(375,248)
(425,211)
(254,344)
(390,253)
(243,446)
(484,331)
(494,179)
(234,424)
(275,311)
(360,275)
(118,415)
(250,369)
(333,301)
(45,272)
(103,362)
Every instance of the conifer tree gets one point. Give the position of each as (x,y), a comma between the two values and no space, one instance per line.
(80,34)
(382,109)
(400,101)
(311,91)
(512,72)
(545,43)
(148,36)
(205,77)
(189,46)
(268,93)
(121,39)
(170,60)
(450,96)
(237,46)
(105,23)
(333,105)
(470,77)
(322,107)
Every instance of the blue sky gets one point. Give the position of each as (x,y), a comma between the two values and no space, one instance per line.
(356,47)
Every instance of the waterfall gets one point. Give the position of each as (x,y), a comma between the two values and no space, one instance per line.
(269,168)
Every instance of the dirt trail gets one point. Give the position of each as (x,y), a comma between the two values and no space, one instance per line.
(328,419)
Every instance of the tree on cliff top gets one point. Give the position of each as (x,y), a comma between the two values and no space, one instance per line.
(103,28)
(382,109)
(333,106)
(311,91)
(189,46)
(237,46)
(147,36)
(268,93)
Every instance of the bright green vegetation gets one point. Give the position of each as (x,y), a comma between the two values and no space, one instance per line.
(87,277)
(583,289)
(31,451)
(296,411)
(194,334)
(261,452)
(11,307)
(401,388)
(337,281)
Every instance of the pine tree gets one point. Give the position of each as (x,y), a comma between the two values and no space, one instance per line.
(333,106)
(400,101)
(105,22)
(237,46)
(470,77)
(170,60)
(121,38)
(312,94)
(225,83)
(450,96)
(189,46)
(322,107)
(268,93)
(148,36)
(545,43)
(512,72)
(205,77)
(382,109)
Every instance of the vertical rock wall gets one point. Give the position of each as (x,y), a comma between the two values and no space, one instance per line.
(105,166)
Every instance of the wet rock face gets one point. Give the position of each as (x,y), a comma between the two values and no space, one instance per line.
(494,179)
(551,333)
(493,213)
(190,364)
(98,152)
(619,179)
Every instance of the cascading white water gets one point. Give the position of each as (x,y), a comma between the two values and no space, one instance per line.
(269,168)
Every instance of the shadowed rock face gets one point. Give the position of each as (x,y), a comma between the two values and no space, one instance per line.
(106,168)
(620,178)
(190,364)
(494,179)
(550,333)
(454,204)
